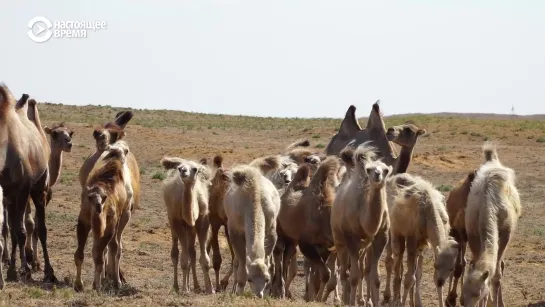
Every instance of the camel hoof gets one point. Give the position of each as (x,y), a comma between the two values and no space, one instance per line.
(223,285)
(122,277)
(12,274)
(26,275)
(1,284)
(451,300)
(78,286)
(197,290)
(49,277)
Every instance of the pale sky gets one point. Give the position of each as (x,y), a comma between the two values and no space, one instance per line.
(284,58)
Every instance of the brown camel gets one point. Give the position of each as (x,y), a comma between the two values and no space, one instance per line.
(311,209)
(219,184)
(357,216)
(106,210)
(456,207)
(60,141)
(109,134)
(24,175)
(492,214)
(186,195)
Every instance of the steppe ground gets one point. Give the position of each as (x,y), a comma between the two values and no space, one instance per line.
(449,150)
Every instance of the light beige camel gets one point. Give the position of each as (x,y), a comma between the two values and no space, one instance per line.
(60,141)
(185,192)
(357,215)
(252,205)
(219,184)
(24,175)
(106,210)
(278,169)
(109,134)
(304,220)
(456,207)
(418,217)
(492,213)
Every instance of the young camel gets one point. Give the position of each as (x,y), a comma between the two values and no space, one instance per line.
(357,215)
(60,141)
(492,213)
(185,192)
(456,206)
(252,204)
(219,184)
(106,210)
(24,174)
(305,221)
(418,217)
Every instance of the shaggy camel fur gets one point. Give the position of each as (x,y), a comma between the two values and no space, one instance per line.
(105,209)
(219,184)
(60,141)
(24,175)
(109,134)
(418,217)
(311,208)
(278,169)
(456,207)
(357,215)
(492,213)
(185,192)
(252,204)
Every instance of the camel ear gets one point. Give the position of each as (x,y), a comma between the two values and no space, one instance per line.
(390,169)
(96,134)
(203,161)
(485,275)
(170,163)
(71,133)
(103,198)
(437,250)
(471,175)
(47,130)
(421,132)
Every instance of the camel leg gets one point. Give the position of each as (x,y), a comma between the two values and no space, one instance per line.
(360,297)
(307,271)
(410,276)
(182,233)
(239,247)
(355,272)
(1,254)
(290,255)
(373,279)
(342,258)
(397,246)
(497,295)
(123,221)
(5,231)
(12,272)
(312,254)
(419,269)
(271,238)
(99,244)
(18,232)
(82,232)
(175,256)
(225,280)
(457,276)
(202,226)
(30,249)
(280,267)
(389,266)
(191,237)
(215,225)
(40,198)
(113,250)
(117,248)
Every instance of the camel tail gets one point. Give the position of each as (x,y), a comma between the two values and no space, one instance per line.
(490,152)
(298,143)
(218,161)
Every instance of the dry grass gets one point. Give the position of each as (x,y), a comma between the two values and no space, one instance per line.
(444,155)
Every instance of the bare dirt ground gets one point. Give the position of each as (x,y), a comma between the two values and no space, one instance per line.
(451,148)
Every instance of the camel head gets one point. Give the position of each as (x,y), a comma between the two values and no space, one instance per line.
(61,137)
(445,261)
(187,169)
(96,197)
(405,135)
(377,172)
(476,286)
(288,172)
(258,275)
(107,136)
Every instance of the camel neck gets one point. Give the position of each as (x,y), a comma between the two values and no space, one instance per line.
(55,166)
(376,206)
(188,207)
(403,160)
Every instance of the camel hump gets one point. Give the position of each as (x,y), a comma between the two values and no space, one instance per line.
(6,98)
(347,155)
(218,161)
(490,152)
(247,178)
(365,153)
(327,169)
(401,180)
(123,118)
(298,143)
(268,163)
(350,123)
(23,101)
(375,118)
(302,173)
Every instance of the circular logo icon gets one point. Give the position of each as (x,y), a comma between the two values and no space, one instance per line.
(39,29)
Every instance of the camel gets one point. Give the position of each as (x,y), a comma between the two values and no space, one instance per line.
(492,214)
(61,141)
(185,192)
(219,184)
(418,217)
(356,217)
(106,210)
(105,136)
(304,220)
(24,175)
(456,205)
(278,169)
(252,204)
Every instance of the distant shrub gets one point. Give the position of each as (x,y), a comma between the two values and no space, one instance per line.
(541,139)
(320,145)
(444,188)
(159,176)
